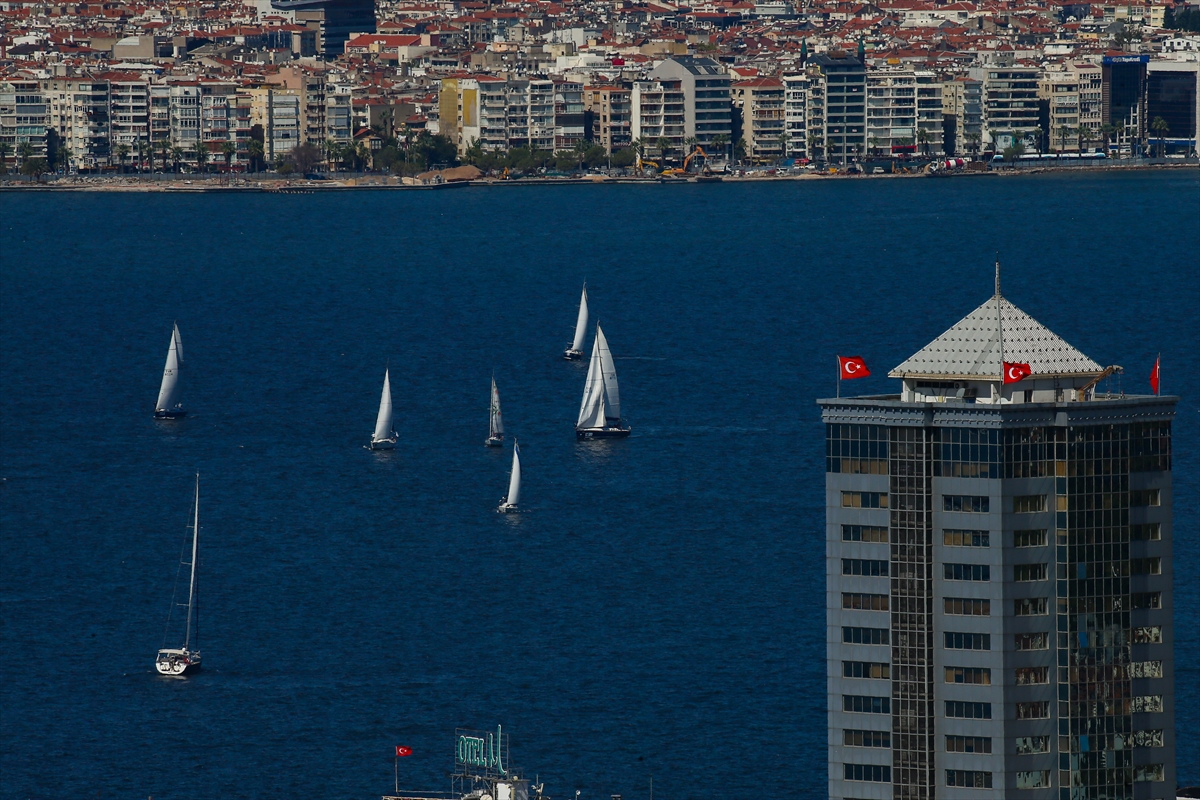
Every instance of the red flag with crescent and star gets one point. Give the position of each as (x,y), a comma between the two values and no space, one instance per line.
(1015,373)
(1154,375)
(402,751)
(853,367)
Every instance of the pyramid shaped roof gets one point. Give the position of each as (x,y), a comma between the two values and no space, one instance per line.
(970,350)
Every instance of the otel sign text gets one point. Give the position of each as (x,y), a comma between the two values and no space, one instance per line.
(482,751)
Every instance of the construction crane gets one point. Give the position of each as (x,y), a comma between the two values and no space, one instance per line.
(1082,395)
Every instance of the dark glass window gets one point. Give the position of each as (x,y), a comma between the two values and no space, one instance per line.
(865,566)
(973,504)
(860,704)
(867,738)
(966,453)
(967,572)
(856,449)
(868,772)
(865,602)
(968,744)
(961,709)
(953,537)
(864,533)
(980,676)
(866,669)
(967,641)
(852,635)
(967,606)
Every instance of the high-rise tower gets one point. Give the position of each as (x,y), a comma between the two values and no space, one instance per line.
(998,561)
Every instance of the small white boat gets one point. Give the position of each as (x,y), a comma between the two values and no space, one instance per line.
(168,405)
(385,436)
(176,661)
(509,503)
(575,351)
(600,412)
(495,420)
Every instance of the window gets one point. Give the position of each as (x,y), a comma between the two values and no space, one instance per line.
(856,449)
(981,676)
(1148,635)
(1146,669)
(1029,538)
(1029,572)
(865,669)
(1146,599)
(1140,498)
(1150,738)
(967,572)
(961,709)
(1148,772)
(972,504)
(1031,607)
(1033,641)
(864,566)
(962,538)
(963,452)
(1027,745)
(1039,709)
(966,606)
(1032,676)
(968,744)
(861,704)
(864,533)
(867,738)
(1034,779)
(1146,704)
(969,779)
(1149,532)
(1145,566)
(864,500)
(1029,503)
(1149,446)
(864,635)
(868,772)
(968,641)
(865,602)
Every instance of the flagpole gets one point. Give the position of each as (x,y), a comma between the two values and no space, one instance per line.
(397,760)
(839,378)
(1158,374)
(1000,327)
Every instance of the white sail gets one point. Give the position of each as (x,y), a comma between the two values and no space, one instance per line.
(169,391)
(612,394)
(383,422)
(592,407)
(514,481)
(581,322)
(496,420)
(187,637)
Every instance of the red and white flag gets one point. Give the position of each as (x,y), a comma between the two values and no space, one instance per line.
(1154,375)
(853,367)
(1015,373)
(402,751)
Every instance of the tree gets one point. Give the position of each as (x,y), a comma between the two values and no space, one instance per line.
(814,141)
(229,150)
(164,150)
(1015,150)
(200,151)
(255,152)
(24,151)
(923,139)
(122,152)
(1037,133)
(973,142)
(1063,132)
(177,154)
(1106,132)
(625,157)
(1160,127)
(580,150)
(664,147)
(739,150)
(784,138)
(304,157)
(5,149)
(874,144)
(34,167)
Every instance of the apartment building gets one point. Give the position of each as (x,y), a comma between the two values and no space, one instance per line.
(612,116)
(837,106)
(761,103)
(795,114)
(705,84)
(999,602)
(1009,100)
(891,111)
(1173,94)
(276,111)
(129,98)
(24,116)
(79,111)
(930,122)
(569,128)
(658,118)
(962,111)
(1058,95)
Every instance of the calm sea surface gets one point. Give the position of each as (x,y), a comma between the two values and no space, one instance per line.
(657,612)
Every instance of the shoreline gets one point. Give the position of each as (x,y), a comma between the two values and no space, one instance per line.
(277,185)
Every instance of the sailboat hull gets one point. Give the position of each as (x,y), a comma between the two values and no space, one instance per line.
(175,665)
(382,444)
(169,413)
(506,508)
(572,355)
(602,433)
(495,441)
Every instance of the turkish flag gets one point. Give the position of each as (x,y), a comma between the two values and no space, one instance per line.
(1015,373)
(1154,375)
(402,751)
(853,367)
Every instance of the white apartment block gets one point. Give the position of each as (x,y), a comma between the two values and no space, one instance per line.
(795,114)
(1009,100)
(23,117)
(658,115)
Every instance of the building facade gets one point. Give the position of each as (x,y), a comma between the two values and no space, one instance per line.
(1009,102)
(611,116)
(795,114)
(837,108)
(762,106)
(999,577)
(705,86)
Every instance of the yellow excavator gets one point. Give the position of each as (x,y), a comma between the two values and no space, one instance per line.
(1082,395)
(641,165)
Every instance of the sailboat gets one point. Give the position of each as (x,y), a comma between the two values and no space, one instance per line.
(600,412)
(495,420)
(509,503)
(575,351)
(385,436)
(168,405)
(184,660)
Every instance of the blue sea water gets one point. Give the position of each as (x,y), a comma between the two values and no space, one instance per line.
(657,612)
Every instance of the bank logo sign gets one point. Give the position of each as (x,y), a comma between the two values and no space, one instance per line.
(480,752)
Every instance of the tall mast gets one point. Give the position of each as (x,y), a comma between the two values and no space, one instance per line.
(1000,326)
(187,637)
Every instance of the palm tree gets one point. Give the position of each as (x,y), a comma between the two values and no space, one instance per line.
(1106,132)
(784,138)
(739,149)
(1160,126)
(1063,132)
(973,142)
(923,139)
(164,150)
(334,153)
(814,141)
(581,148)
(721,142)
(874,143)
(255,151)
(229,150)
(664,147)
(177,154)
(1036,133)
(5,149)
(122,152)
(200,151)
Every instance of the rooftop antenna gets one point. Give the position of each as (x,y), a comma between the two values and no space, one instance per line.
(999,325)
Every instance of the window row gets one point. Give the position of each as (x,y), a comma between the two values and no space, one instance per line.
(864,602)
(875,568)
(867,772)
(864,500)
(865,704)
(864,635)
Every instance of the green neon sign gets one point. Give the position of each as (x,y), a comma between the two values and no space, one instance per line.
(482,750)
